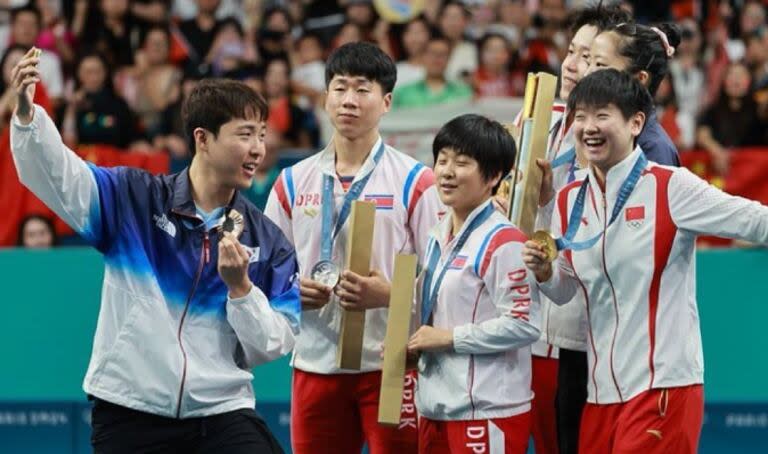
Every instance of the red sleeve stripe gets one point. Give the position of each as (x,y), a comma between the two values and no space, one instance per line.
(425,180)
(495,239)
(282,196)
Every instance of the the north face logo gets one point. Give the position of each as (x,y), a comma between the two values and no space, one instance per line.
(165,225)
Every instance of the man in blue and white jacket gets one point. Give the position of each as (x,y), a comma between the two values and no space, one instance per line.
(186,311)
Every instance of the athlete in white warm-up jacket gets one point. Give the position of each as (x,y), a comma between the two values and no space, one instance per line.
(628,228)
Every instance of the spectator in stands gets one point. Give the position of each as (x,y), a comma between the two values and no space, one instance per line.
(733,121)
(95,114)
(454,18)
(112,30)
(275,40)
(36,232)
(55,36)
(435,88)
(494,76)
(308,75)
(229,49)
(753,16)
(147,86)
(667,110)
(513,18)
(688,80)
(286,119)
(171,133)
(546,45)
(757,56)
(362,14)
(348,33)
(413,42)
(26,25)
(200,31)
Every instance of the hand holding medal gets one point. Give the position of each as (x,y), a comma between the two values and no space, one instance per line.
(547,243)
(326,272)
(542,249)
(233,258)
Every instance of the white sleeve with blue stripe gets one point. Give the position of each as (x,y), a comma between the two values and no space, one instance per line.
(56,175)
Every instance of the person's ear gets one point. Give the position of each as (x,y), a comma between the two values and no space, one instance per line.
(636,123)
(201,139)
(387,102)
(494,181)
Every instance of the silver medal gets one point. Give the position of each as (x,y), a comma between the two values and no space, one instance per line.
(326,273)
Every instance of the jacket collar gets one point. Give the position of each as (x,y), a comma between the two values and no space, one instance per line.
(327,163)
(183,204)
(442,230)
(617,174)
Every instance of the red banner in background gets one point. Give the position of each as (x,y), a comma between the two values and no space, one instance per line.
(18,202)
(747,177)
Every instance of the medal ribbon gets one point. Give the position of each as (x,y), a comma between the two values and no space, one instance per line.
(574,221)
(569,157)
(328,235)
(429,292)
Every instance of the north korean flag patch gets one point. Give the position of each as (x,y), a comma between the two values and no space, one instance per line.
(458,262)
(382,201)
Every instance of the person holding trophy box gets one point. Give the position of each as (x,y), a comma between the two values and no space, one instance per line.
(327,206)
(625,234)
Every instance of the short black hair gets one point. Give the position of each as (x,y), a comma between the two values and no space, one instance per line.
(611,86)
(214,102)
(645,49)
(362,59)
(485,140)
(599,16)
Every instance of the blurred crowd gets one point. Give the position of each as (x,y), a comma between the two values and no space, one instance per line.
(115,72)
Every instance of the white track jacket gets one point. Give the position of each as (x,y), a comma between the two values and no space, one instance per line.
(639,278)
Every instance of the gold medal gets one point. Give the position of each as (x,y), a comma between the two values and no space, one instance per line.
(233,223)
(504,189)
(544,239)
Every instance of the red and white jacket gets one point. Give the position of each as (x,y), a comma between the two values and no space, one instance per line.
(639,278)
(407,207)
(490,301)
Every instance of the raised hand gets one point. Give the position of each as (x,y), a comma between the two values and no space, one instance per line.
(535,259)
(24,76)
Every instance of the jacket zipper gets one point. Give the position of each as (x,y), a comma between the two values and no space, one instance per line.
(205,257)
(613,292)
